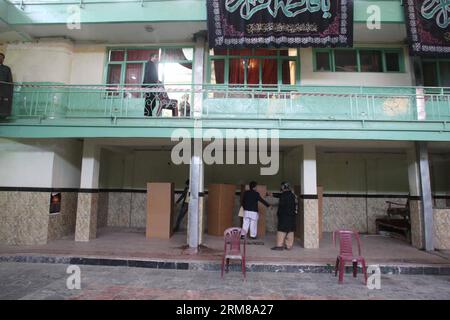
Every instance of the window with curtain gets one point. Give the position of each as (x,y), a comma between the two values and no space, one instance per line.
(253,67)
(126,66)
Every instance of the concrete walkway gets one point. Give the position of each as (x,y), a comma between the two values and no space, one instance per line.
(48,281)
(132,244)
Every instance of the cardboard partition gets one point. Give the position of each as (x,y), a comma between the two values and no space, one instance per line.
(220,208)
(160,198)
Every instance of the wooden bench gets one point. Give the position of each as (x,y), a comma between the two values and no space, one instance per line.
(390,224)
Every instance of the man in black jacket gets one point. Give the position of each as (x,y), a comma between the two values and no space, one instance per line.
(6,88)
(287,214)
(250,204)
(151,81)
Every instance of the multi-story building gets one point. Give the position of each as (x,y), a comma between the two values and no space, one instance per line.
(368,124)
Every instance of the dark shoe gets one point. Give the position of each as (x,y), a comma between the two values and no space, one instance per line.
(242,237)
(277,248)
(253,238)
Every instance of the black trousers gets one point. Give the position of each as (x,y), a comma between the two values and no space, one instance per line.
(150,103)
(5,106)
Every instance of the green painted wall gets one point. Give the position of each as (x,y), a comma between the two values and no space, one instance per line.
(363,173)
(440,175)
(111,170)
(338,172)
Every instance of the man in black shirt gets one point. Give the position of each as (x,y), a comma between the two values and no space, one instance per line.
(151,81)
(6,88)
(251,216)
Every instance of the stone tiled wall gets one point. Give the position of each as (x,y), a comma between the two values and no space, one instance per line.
(63,223)
(442,229)
(344,213)
(129,210)
(358,213)
(376,208)
(24,218)
(102,214)
(416,224)
(138,217)
(125,209)
(87,210)
(310,224)
(441,203)
(119,209)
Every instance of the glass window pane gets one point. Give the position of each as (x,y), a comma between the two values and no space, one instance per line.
(176,76)
(269,71)
(371,61)
(444,68)
(114,71)
(117,55)
(140,55)
(430,78)
(323,61)
(133,73)
(292,52)
(237,68)
(289,72)
(176,54)
(253,71)
(345,60)
(217,71)
(392,61)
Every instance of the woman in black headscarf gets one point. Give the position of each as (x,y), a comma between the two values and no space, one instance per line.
(287,216)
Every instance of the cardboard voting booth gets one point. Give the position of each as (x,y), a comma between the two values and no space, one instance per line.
(220,208)
(160,198)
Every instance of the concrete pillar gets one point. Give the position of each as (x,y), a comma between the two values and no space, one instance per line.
(309,220)
(199,74)
(195,213)
(421,207)
(196,200)
(86,224)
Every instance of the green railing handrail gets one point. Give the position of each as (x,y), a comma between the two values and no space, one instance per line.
(240,88)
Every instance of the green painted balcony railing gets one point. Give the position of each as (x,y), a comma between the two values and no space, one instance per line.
(227,102)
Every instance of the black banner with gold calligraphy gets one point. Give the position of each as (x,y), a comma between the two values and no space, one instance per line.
(428,25)
(280,23)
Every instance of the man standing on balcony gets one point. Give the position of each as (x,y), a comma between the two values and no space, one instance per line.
(150,81)
(6,88)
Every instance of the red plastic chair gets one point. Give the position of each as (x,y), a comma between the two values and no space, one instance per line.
(232,248)
(346,254)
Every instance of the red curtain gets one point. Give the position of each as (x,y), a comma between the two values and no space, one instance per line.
(237,67)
